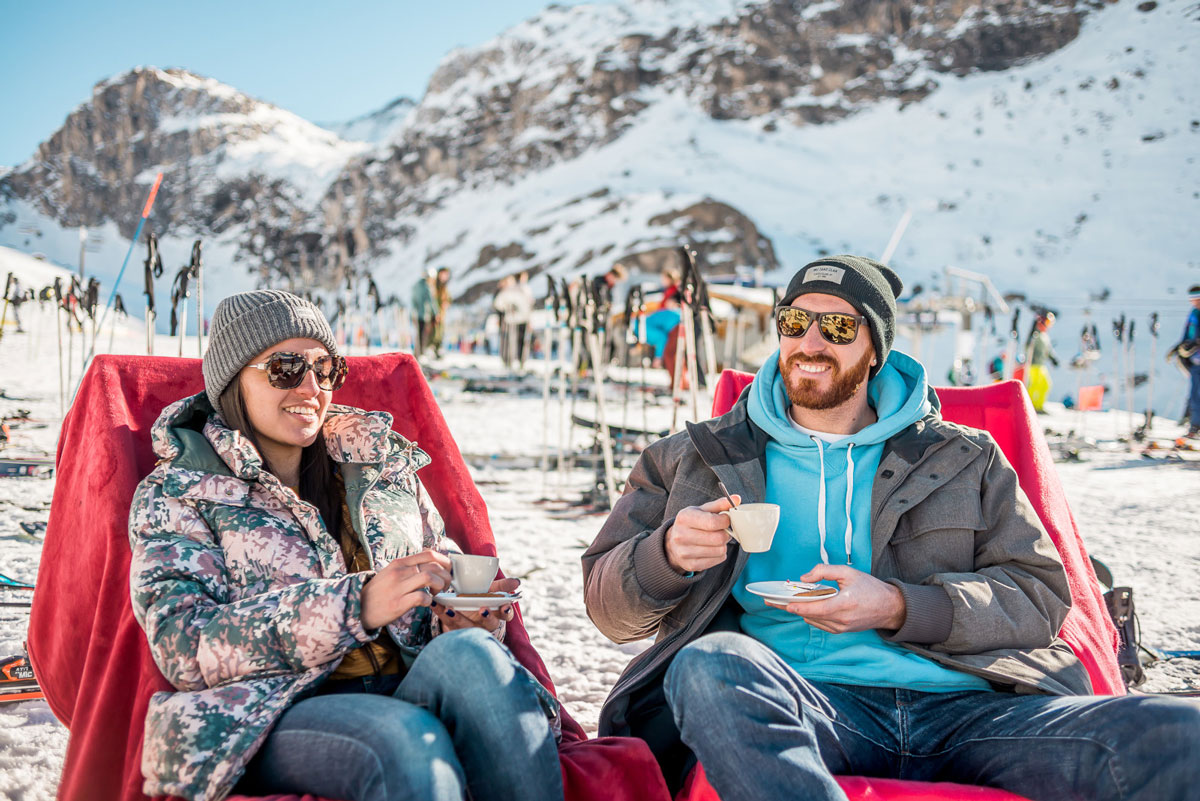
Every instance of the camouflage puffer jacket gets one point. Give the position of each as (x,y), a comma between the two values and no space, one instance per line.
(242,592)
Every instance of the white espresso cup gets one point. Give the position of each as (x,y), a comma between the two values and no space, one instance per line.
(753,525)
(471,574)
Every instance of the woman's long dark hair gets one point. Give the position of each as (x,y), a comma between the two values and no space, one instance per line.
(318,484)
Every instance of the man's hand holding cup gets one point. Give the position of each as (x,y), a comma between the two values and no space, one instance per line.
(698,538)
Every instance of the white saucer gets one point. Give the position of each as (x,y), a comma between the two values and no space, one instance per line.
(452,600)
(784,592)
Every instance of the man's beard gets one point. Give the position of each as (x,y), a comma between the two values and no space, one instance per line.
(803,392)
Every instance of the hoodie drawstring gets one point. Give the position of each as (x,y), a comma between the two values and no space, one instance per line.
(821,499)
(849,498)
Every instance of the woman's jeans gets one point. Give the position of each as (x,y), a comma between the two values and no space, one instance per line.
(465,719)
(763,732)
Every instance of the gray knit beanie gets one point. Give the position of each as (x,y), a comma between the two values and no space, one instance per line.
(246,324)
(864,283)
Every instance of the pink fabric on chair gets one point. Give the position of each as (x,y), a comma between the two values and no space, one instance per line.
(90,655)
(1004,410)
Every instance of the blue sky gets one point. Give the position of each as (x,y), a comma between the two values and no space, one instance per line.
(322,63)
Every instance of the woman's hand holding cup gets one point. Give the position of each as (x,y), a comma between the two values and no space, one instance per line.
(404,584)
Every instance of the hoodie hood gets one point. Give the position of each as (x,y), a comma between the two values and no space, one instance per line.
(899,393)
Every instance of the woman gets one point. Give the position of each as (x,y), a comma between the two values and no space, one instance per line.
(285,556)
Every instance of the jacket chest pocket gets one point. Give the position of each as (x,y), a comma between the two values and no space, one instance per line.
(938,535)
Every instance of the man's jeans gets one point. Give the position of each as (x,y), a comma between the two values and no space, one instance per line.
(763,732)
(466,717)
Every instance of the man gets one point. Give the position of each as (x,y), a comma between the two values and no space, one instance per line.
(1188,351)
(936,660)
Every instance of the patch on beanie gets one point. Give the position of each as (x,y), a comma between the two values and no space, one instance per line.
(825,272)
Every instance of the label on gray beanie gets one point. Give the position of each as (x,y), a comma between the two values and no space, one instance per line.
(825,272)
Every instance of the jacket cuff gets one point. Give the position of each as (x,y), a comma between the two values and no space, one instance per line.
(654,573)
(354,590)
(928,617)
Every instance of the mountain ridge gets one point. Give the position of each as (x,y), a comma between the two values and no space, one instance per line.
(514,160)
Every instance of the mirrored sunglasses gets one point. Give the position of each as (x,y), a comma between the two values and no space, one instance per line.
(286,370)
(837,328)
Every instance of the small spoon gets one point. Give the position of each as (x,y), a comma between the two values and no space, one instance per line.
(725,490)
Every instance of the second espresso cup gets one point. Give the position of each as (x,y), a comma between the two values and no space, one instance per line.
(471,574)
(753,525)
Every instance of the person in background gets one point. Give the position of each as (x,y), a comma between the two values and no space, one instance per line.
(604,285)
(501,303)
(441,302)
(670,286)
(1188,351)
(1040,352)
(285,555)
(938,657)
(514,307)
(524,311)
(15,298)
(424,311)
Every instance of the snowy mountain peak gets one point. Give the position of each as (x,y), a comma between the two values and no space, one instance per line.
(375,127)
(225,156)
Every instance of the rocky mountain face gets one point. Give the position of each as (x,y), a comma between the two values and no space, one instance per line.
(533,97)
(207,139)
(303,205)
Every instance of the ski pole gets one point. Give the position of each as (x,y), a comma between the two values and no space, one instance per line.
(118,311)
(677,374)
(154,268)
(1010,350)
(629,340)
(72,303)
(1130,378)
(595,340)
(91,299)
(546,391)
(563,333)
(1119,370)
(689,328)
(62,411)
(564,337)
(641,340)
(132,244)
(1150,375)
(196,267)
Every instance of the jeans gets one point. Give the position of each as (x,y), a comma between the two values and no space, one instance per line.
(764,732)
(465,719)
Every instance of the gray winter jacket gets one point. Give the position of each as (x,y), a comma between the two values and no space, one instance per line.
(984,586)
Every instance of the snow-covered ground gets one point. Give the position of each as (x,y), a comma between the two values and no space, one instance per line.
(1138,515)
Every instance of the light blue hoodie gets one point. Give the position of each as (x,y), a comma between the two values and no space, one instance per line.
(824,490)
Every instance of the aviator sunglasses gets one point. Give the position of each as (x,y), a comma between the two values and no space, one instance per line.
(286,370)
(837,328)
